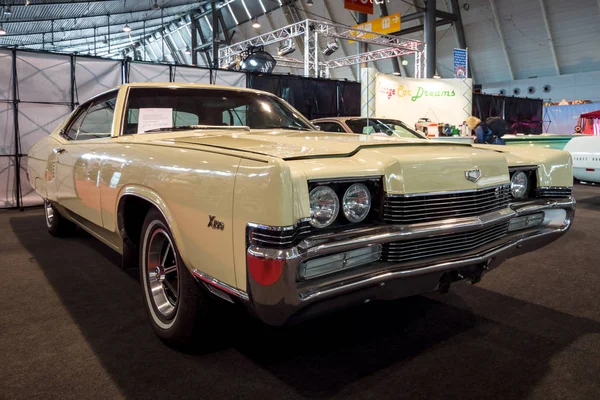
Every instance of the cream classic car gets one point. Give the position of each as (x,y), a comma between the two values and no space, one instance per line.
(226,194)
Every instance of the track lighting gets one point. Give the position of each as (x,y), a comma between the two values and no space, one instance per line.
(187,50)
(7,11)
(286,48)
(331,48)
(126,28)
(256,24)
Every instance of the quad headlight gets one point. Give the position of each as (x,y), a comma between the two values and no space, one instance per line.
(518,185)
(356,202)
(324,206)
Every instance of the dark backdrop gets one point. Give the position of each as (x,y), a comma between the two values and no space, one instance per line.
(524,115)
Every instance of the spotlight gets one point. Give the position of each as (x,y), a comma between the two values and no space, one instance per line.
(397,73)
(126,28)
(2,31)
(309,3)
(27,2)
(7,11)
(436,76)
(256,24)
(404,62)
(331,48)
(286,48)
(155,6)
(187,50)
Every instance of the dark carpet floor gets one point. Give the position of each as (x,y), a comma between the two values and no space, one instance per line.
(72,326)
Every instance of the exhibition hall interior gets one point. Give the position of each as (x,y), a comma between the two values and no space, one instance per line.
(299,199)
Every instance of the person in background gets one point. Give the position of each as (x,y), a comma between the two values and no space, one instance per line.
(483,133)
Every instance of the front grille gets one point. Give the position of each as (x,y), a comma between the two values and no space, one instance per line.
(410,209)
(417,249)
(554,191)
(279,238)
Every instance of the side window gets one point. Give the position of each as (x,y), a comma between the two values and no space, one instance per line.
(235,116)
(98,120)
(330,127)
(72,133)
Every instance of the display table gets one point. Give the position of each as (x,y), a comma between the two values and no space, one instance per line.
(547,140)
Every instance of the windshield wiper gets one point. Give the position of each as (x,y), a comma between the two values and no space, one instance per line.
(295,128)
(189,127)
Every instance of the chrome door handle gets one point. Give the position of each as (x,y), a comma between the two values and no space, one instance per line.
(58,151)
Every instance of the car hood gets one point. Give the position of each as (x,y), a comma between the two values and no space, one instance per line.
(284,144)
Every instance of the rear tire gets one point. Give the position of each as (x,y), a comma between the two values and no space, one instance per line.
(57,225)
(175,303)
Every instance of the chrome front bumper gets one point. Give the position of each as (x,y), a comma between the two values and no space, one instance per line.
(289,298)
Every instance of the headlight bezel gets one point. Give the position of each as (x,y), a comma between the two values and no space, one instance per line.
(530,172)
(374,185)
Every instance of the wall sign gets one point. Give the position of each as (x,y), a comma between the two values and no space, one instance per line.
(363,6)
(384,25)
(408,99)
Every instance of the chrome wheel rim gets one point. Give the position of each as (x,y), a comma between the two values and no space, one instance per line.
(162,273)
(49,212)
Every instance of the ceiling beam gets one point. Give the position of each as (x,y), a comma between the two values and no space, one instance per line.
(549,33)
(502,41)
(418,28)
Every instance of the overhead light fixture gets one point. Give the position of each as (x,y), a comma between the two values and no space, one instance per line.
(7,11)
(286,48)
(309,3)
(27,2)
(187,50)
(436,76)
(332,46)
(397,73)
(126,28)
(404,62)
(155,6)
(256,24)
(2,31)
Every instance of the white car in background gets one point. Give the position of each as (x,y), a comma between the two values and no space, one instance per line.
(585,151)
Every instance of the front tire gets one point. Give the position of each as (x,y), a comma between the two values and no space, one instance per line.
(57,225)
(174,301)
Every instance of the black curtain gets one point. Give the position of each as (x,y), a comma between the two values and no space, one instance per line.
(523,115)
(314,98)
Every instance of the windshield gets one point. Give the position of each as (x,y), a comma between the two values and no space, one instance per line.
(383,126)
(163,109)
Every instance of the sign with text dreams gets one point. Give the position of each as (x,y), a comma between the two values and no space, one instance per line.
(408,99)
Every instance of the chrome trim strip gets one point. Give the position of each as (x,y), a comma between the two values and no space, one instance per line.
(220,285)
(278,228)
(347,180)
(398,195)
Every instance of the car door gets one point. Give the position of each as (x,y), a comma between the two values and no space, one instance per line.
(80,159)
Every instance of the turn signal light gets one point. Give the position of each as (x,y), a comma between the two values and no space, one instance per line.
(264,271)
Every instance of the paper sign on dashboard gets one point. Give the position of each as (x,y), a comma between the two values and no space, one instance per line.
(154,118)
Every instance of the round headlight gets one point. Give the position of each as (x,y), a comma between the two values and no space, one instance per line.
(324,206)
(356,203)
(518,185)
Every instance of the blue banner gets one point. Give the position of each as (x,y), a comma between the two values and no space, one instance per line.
(460,63)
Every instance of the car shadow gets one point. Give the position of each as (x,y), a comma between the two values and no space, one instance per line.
(472,343)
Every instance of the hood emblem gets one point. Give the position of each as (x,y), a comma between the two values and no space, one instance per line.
(473,175)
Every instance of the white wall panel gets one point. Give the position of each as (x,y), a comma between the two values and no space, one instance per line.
(7,182)
(94,76)
(7,133)
(148,73)
(192,75)
(230,78)
(37,121)
(44,77)
(6,81)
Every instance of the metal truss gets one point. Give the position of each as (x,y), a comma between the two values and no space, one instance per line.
(394,46)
